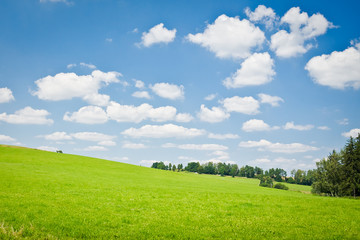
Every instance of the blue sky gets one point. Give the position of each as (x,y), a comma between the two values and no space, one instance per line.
(265,83)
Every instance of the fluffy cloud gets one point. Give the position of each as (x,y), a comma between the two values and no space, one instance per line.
(201,147)
(92,136)
(229,37)
(130,113)
(167,90)
(257,125)
(272,100)
(158,34)
(302,28)
(57,136)
(163,131)
(6,95)
(213,115)
(133,145)
(264,145)
(4,138)
(352,133)
(338,70)
(291,125)
(245,105)
(141,94)
(262,14)
(87,115)
(65,86)
(139,84)
(255,70)
(223,136)
(97,99)
(27,115)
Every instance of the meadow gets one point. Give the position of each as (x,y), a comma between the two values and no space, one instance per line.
(46,195)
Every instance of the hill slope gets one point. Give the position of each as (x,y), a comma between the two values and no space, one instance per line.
(51,195)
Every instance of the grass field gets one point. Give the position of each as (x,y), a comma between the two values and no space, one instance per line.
(45,195)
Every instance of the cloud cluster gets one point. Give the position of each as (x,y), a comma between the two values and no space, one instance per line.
(262,14)
(27,115)
(158,34)
(87,115)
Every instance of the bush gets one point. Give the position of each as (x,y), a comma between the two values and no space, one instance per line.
(266,181)
(281,186)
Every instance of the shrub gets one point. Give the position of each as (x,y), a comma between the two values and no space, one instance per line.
(266,181)
(281,186)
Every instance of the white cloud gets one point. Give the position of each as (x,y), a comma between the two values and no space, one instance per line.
(264,145)
(262,160)
(141,94)
(134,146)
(97,99)
(158,34)
(139,84)
(4,138)
(87,115)
(210,97)
(6,95)
(95,148)
(344,121)
(107,143)
(183,117)
(352,133)
(262,14)
(324,128)
(291,125)
(284,160)
(338,70)
(65,86)
(57,136)
(88,65)
(245,105)
(169,91)
(229,37)
(254,71)
(257,125)
(201,147)
(163,131)
(47,148)
(130,113)
(213,115)
(272,100)
(92,136)
(71,65)
(27,115)
(223,136)
(302,28)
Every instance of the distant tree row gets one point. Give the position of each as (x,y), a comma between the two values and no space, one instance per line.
(339,173)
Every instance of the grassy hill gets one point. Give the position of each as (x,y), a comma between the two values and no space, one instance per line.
(45,195)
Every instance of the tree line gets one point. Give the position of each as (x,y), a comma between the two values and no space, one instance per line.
(339,173)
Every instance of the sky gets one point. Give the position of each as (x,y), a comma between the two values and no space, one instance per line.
(261,83)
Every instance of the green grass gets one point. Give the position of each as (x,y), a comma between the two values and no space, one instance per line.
(46,195)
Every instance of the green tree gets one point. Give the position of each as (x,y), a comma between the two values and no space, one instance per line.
(234,170)
(351,162)
(174,168)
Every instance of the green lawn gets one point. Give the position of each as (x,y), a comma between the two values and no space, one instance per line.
(46,195)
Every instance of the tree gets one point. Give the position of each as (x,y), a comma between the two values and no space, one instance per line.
(234,170)
(180,167)
(266,181)
(192,167)
(174,168)
(351,162)
(170,167)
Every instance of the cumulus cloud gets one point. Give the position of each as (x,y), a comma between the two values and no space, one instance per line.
(163,131)
(167,90)
(87,115)
(254,71)
(223,136)
(65,86)
(4,138)
(27,115)
(264,145)
(263,15)
(229,37)
(6,95)
(97,99)
(158,34)
(352,133)
(291,125)
(302,28)
(57,136)
(141,94)
(139,84)
(257,125)
(245,105)
(272,100)
(130,113)
(201,147)
(133,145)
(213,115)
(337,70)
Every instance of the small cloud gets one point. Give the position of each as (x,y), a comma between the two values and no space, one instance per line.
(223,136)
(210,97)
(139,84)
(6,95)
(291,125)
(257,125)
(88,65)
(272,100)
(213,115)
(344,121)
(324,128)
(157,34)
(352,133)
(109,40)
(141,94)
(169,91)
(95,148)
(71,65)
(133,146)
